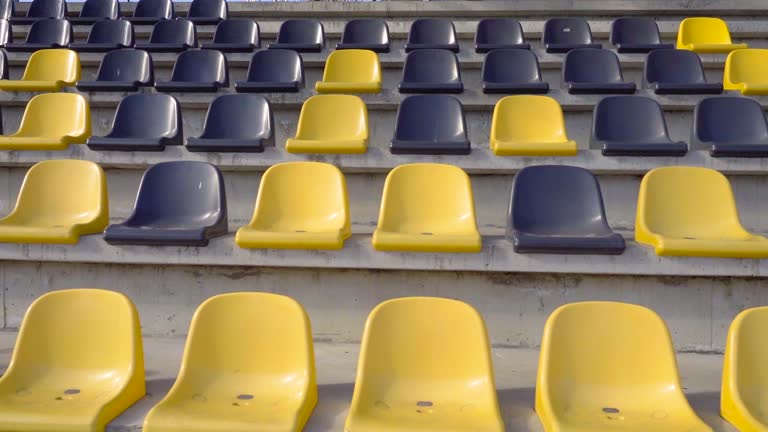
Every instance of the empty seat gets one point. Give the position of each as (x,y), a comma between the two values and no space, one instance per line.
(3,67)
(197,71)
(594,71)
(249,354)
(427,208)
(42,9)
(636,35)
(59,201)
(7,9)
(179,203)
(171,36)
(143,122)
(365,33)
(432,33)
(273,71)
(152,11)
(430,124)
(604,364)
(528,125)
(47,70)
(564,34)
(730,127)
(44,33)
(632,126)
(499,33)
(677,72)
(431,71)
(557,209)
(97,10)
(706,35)
(690,211)
(122,70)
(302,35)
(207,11)
(351,71)
(236,123)
(6,33)
(747,71)
(512,71)
(107,35)
(300,205)
(235,35)
(331,124)
(51,121)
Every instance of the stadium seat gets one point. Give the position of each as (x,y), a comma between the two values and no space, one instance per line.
(143,122)
(44,33)
(427,208)
(430,124)
(557,209)
(564,34)
(107,35)
(59,201)
(51,121)
(529,125)
(123,70)
(690,211)
(499,33)
(632,126)
(3,69)
(171,36)
(746,71)
(706,35)
(301,35)
(512,71)
(272,71)
(351,71)
(425,364)
(251,355)
(197,71)
(300,205)
(677,72)
(7,9)
(42,9)
(152,11)
(432,33)
(87,372)
(235,35)
(730,127)
(236,123)
(93,11)
(6,33)
(331,124)
(180,203)
(636,35)
(594,71)
(431,71)
(47,70)
(207,12)
(365,33)
(610,366)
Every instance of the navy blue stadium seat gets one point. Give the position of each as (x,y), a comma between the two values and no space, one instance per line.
(143,122)
(557,209)
(365,33)
(677,72)
(302,35)
(432,33)
(564,34)
(152,11)
(512,71)
(197,71)
(107,35)
(499,33)
(236,123)
(6,34)
(730,126)
(430,124)
(122,70)
(7,9)
(636,35)
(42,9)
(208,11)
(594,71)
(235,35)
(181,203)
(171,36)
(43,34)
(431,71)
(3,71)
(632,126)
(273,71)
(96,10)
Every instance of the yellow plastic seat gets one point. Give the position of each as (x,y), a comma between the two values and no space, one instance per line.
(59,201)
(248,366)
(427,208)
(706,35)
(331,124)
(529,125)
(608,366)
(425,365)
(78,363)
(351,71)
(746,70)
(301,205)
(689,211)
(51,121)
(47,70)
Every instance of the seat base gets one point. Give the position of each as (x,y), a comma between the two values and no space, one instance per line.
(377,48)
(644,149)
(739,150)
(230,48)
(204,20)
(25,20)
(143,20)
(713,48)
(34,143)
(483,48)
(677,88)
(31,86)
(601,88)
(10,233)
(225,145)
(96,47)
(267,87)
(427,242)
(504,148)
(250,238)
(515,88)
(351,146)
(187,87)
(163,47)
(641,48)
(299,47)
(120,234)
(416,46)
(101,86)
(757,247)
(87,20)
(31,47)
(526,243)
(430,147)
(453,88)
(564,48)
(127,144)
(345,87)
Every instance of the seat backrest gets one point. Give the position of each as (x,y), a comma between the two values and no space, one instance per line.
(147,115)
(3,68)
(47,9)
(635,30)
(300,31)
(528,118)
(208,9)
(730,119)
(6,33)
(111,31)
(432,31)
(276,66)
(325,117)
(506,31)
(431,118)
(237,30)
(567,31)
(109,9)
(126,65)
(431,66)
(46,31)
(703,30)
(366,31)
(55,115)
(352,65)
(511,66)
(154,8)
(201,66)
(53,65)
(629,119)
(239,116)
(747,66)
(179,30)
(673,66)
(591,65)
(744,374)
(7,9)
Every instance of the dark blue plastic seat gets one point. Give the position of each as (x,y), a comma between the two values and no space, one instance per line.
(636,35)
(122,70)
(431,71)
(107,35)
(42,9)
(512,71)
(730,126)
(43,34)
(677,72)
(279,71)
(152,11)
(365,33)
(3,72)
(96,10)
(594,71)
(557,209)
(564,34)
(499,33)
(181,203)
(197,71)
(6,34)
(7,9)
(302,35)
(235,35)
(632,126)
(430,124)
(432,33)
(171,36)
(208,11)
(143,122)
(236,123)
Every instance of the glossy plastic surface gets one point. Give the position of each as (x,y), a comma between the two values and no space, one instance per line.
(209,12)
(96,10)
(730,127)
(51,121)
(746,70)
(499,33)
(44,33)
(107,35)
(273,71)
(302,35)
(197,71)
(331,124)
(636,35)
(432,33)
(564,34)
(677,72)
(351,71)
(430,124)
(594,71)
(152,11)
(365,33)
(236,123)
(171,36)
(512,71)
(706,35)
(431,71)
(235,35)
(122,70)
(42,9)
(528,125)
(47,70)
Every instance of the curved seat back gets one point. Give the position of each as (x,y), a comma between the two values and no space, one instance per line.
(100,9)
(201,66)
(56,115)
(239,117)
(635,30)
(591,65)
(431,66)
(47,9)
(703,30)
(730,119)
(300,31)
(208,10)
(499,31)
(237,31)
(111,31)
(529,119)
(746,66)
(160,9)
(372,31)
(431,118)
(432,31)
(178,31)
(147,115)
(53,65)
(511,66)
(352,66)
(674,66)
(629,119)
(50,31)
(276,66)
(126,65)
(567,31)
